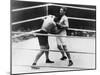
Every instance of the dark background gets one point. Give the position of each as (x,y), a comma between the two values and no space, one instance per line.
(54,10)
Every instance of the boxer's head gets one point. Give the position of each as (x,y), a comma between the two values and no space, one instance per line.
(62,10)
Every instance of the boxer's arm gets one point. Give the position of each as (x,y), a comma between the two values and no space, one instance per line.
(65,23)
(35,33)
(56,30)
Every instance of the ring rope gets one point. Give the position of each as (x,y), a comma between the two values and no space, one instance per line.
(33,33)
(83,8)
(28,20)
(81,19)
(51,35)
(55,50)
(25,8)
(68,29)
(38,67)
(81,30)
(52,66)
(31,7)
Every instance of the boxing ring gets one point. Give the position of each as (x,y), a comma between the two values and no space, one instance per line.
(82,49)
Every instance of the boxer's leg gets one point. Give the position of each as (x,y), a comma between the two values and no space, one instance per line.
(38,56)
(68,55)
(59,45)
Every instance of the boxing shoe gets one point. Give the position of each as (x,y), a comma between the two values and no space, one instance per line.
(49,61)
(70,63)
(63,58)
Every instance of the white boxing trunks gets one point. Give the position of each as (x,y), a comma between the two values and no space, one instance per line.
(61,40)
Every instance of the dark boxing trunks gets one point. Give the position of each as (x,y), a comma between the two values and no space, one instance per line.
(43,40)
